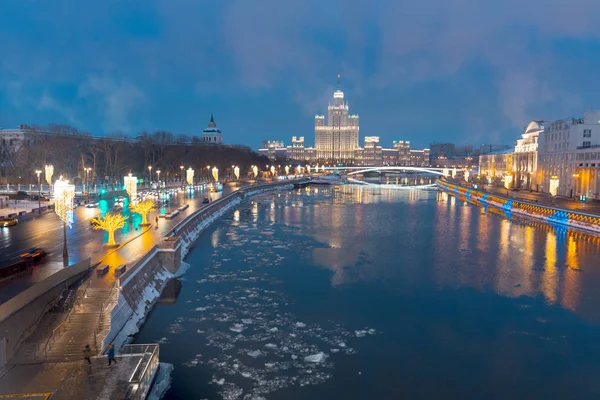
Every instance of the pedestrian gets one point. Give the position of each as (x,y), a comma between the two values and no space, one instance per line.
(111,354)
(87,352)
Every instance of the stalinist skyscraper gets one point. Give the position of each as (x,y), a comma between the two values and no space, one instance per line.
(336,141)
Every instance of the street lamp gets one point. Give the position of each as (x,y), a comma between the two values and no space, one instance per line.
(49,170)
(131,186)
(158,177)
(149,175)
(38,172)
(64,193)
(87,171)
(181,168)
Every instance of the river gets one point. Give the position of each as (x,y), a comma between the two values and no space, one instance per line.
(374,293)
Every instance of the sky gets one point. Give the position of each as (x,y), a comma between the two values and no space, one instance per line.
(463,71)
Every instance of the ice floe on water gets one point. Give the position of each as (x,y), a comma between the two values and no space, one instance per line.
(250,340)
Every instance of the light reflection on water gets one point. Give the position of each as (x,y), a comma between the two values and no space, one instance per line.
(446,282)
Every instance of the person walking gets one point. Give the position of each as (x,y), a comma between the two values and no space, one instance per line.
(87,352)
(111,354)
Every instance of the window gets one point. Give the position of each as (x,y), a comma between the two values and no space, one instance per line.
(587,144)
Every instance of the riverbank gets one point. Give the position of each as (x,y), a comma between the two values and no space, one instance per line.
(568,217)
(123,307)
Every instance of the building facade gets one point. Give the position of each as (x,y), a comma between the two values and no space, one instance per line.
(525,157)
(495,166)
(337,138)
(568,156)
(403,149)
(419,158)
(212,135)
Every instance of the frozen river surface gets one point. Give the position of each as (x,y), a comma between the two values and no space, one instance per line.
(373,293)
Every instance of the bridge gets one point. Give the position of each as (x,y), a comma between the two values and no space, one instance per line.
(361,170)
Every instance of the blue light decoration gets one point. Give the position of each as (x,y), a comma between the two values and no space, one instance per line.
(560,217)
(484,197)
(468,194)
(507,207)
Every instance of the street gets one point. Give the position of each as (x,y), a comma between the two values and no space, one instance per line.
(82,241)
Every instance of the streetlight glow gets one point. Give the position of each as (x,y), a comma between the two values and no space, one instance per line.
(64,193)
(131,186)
(190,176)
(49,169)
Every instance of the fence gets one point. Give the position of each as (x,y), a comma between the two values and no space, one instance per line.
(141,378)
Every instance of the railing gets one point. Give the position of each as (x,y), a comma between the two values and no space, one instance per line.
(57,332)
(141,378)
(130,271)
(224,200)
(98,332)
(33,326)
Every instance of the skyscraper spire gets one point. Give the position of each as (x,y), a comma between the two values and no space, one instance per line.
(338,81)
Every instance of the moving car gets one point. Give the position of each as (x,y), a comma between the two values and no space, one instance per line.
(205,200)
(9,222)
(34,254)
(91,205)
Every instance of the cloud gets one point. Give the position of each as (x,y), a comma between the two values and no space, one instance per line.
(48,102)
(117,100)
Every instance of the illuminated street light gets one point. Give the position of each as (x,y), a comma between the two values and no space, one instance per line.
(236,172)
(158,177)
(553,189)
(131,186)
(49,172)
(507,181)
(64,193)
(190,176)
(38,172)
(215,173)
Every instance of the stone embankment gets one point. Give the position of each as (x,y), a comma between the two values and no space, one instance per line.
(142,284)
(551,215)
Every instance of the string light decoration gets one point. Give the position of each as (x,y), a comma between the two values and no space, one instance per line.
(131,186)
(64,193)
(287,169)
(508,181)
(215,173)
(236,172)
(255,170)
(308,168)
(467,173)
(273,170)
(49,171)
(189,175)
(298,170)
(142,208)
(109,223)
(446,172)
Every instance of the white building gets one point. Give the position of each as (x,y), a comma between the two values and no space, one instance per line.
(337,140)
(212,135)
(525,157)
(569,156)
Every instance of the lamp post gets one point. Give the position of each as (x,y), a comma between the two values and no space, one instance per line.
(149,175)
(87,177)
(207,172)
(49,170)
(575,175)
(38,172)
(181,168)
(158,177)
(64,193)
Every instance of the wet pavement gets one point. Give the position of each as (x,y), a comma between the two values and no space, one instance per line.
(72,380)
(84,242)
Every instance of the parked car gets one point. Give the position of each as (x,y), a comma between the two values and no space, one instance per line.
(205,200)
(8,222)
(91,205)
(41,198)
(34,254)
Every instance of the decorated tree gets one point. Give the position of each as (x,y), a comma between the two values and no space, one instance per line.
(142,208)
(109,223)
